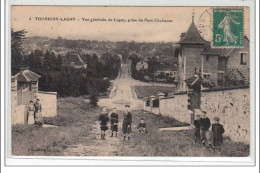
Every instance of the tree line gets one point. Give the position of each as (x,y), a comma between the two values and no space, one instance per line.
(65,80)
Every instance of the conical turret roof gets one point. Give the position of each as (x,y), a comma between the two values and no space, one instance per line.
(192,36)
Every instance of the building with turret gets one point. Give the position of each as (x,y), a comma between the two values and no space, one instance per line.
(222,66)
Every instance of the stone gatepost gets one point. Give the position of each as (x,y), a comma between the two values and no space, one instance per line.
(14,91)
(145,99)
(35,88)
(152,98)
(161,96)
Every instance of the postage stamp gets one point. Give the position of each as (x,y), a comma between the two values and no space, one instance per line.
(228,27)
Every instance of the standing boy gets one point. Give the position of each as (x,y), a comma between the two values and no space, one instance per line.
(205,134)
(114,122)
(127,122)
(38,113)
(103,118)
(217,131)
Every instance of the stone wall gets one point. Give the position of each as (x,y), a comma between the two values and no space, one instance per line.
(19,114)
(176,107)
(49,103)
(49,107)
(232,106)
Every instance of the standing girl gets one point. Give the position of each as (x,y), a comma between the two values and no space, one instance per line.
(30,113)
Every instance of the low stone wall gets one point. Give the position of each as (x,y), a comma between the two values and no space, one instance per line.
(19,114)
(176,107)
(232,106)
(49,103)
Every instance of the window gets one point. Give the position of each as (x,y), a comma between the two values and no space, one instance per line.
(220,78)
(206,76)
(156,103)
(242,58)
(207,57)
(147,102)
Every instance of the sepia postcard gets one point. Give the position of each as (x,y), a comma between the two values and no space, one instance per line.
(146,82)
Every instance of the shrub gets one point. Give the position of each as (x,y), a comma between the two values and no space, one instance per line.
(93,99)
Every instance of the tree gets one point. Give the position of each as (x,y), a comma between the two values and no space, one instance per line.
(17,52)
(93,99)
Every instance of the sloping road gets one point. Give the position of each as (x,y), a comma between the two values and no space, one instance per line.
(121,93)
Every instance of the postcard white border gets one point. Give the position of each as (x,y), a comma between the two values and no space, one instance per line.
(152,161)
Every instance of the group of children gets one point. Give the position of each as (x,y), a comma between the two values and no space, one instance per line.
(127,123)
(202,134)
(213,138)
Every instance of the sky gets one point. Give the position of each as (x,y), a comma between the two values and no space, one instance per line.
(24,17)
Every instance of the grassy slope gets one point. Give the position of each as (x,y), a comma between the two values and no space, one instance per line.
(173,143)
(75,118)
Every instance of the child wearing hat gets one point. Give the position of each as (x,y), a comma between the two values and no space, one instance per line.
(103,118)
(127,122)
(141,126)
(217,131)
(114,122)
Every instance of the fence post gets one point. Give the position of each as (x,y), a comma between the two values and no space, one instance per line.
(161,96)
(152,98)
(144,102)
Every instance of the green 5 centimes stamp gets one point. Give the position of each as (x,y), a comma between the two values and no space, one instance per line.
(228,27)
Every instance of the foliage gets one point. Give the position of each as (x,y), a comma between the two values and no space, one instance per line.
(17,52)
(93,98)
(68,81)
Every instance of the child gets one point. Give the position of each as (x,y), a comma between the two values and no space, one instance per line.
(38,113)
(127,122)
(103,118)
(217,131)
(141,127)
(114,122)
(30,113)
(197,128)
(205,134)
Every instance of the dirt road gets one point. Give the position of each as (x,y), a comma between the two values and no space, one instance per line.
(93,145)
(122,93)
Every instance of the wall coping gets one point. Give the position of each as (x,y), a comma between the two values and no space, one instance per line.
(210,90)
(227,88)
(44,92)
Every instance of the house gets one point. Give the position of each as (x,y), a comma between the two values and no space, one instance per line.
(74,60)
(24,88)
(219,65)
(167,73)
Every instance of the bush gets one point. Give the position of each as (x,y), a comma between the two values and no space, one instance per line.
(93,99)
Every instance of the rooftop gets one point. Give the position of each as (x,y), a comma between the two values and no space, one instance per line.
(197,80)
(27,76)
(225,52)
(166,67)
(192,36)
(75,57)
